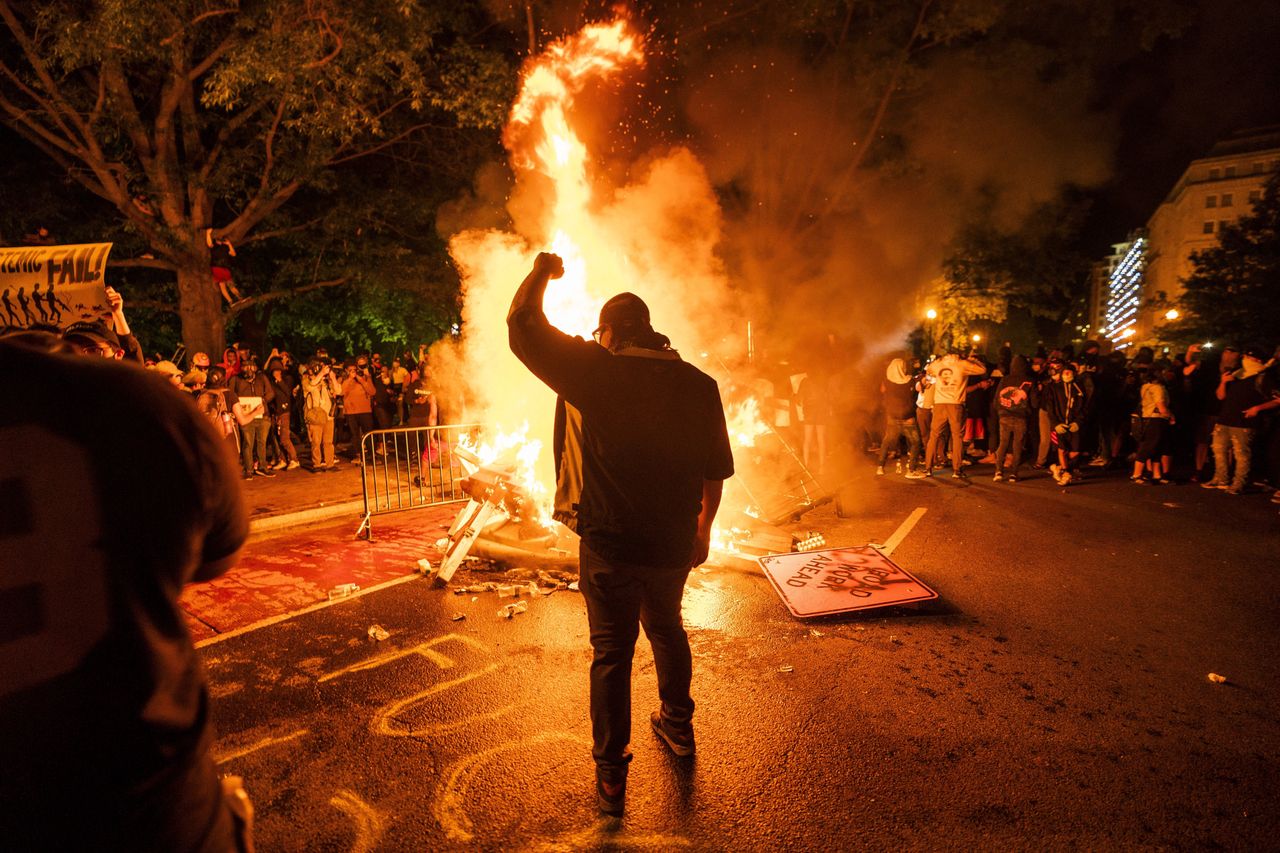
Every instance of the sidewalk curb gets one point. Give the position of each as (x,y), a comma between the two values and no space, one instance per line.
(285,520)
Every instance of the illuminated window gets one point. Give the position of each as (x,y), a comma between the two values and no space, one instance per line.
(1208,228)
(1228,199)
(1211,201)
(1214,174)
(1230,172)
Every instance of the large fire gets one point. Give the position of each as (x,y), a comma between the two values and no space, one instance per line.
(655,236)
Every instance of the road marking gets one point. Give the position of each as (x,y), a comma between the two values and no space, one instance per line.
(321,605)
(223,758)
(426,650)
(449,803)
(903,529)
(385,716)
(366,818)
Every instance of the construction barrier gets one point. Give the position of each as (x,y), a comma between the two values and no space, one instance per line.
(410,468)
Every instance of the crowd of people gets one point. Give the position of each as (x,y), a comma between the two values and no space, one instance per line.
(259,405)
(1204,415)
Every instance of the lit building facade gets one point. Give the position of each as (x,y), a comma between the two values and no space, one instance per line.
(1124,288)
(1213,192)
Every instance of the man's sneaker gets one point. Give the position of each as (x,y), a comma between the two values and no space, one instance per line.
(1137,481)
(1063,478)
(959,475)
(1055,470)
(917,475)
(997,477)
(611,796)
(280,465)
(1215,484)
(264,472)
(1012,478)
(678,740)
(1098,462)
(879,470)
(247,476)
(294,464)
(898,468)
(1275,496)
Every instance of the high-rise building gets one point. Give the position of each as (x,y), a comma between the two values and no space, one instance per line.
(1125,268)
(1214,191)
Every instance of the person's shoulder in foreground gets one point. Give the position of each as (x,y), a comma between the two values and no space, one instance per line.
(118,493)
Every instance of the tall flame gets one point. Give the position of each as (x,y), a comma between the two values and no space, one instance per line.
(656,236)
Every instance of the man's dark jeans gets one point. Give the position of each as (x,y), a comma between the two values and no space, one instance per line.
(253,440)
(620,597)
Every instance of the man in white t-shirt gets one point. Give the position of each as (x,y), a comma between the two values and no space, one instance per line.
(951,374)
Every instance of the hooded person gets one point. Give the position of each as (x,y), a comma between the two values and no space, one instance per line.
(1015,399)
(1065,403)
(654,451)
(899,395)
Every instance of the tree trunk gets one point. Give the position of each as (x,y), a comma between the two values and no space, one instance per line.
(200,310)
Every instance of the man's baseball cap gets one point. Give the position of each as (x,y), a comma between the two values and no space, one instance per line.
(625,309)
(96,333)
(1256,352)
(168,368)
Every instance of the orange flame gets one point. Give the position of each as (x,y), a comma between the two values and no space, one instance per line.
(631,245)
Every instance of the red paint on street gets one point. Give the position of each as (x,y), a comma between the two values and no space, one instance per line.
(285,573)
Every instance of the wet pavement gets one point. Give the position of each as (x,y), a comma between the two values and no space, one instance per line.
(1055,695)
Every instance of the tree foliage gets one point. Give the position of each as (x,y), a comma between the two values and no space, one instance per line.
(1234,287)
(1037,266)
(187,114)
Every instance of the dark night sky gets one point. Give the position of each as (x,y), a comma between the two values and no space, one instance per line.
(1220,75)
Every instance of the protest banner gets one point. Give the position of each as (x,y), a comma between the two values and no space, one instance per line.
(837,580)
(53,285)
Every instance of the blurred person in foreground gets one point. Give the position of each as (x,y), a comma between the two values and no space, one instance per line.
(103,703)
(651,450)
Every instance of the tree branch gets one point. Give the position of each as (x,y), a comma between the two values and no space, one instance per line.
(149,263)
(62,111)
(217,53)
(274,295)
(374,149)
(881,109)
(278,232)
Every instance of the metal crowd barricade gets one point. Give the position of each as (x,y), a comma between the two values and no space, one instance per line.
(410,468)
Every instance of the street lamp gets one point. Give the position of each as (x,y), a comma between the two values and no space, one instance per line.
(1171,314)
(931,314)
(976,337)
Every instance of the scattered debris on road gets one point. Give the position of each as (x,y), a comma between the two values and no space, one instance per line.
(343,590)
(377,632)
(509,610)
(786,667)
(1217,679)
(458,617)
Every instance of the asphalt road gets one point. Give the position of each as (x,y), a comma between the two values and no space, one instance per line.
(1055,696)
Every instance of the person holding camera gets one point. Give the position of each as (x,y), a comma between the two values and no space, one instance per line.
(319,392)
(357,402)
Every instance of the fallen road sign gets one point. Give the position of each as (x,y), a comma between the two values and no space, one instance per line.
(839,580)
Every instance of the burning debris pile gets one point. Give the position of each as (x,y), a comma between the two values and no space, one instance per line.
(656,235)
